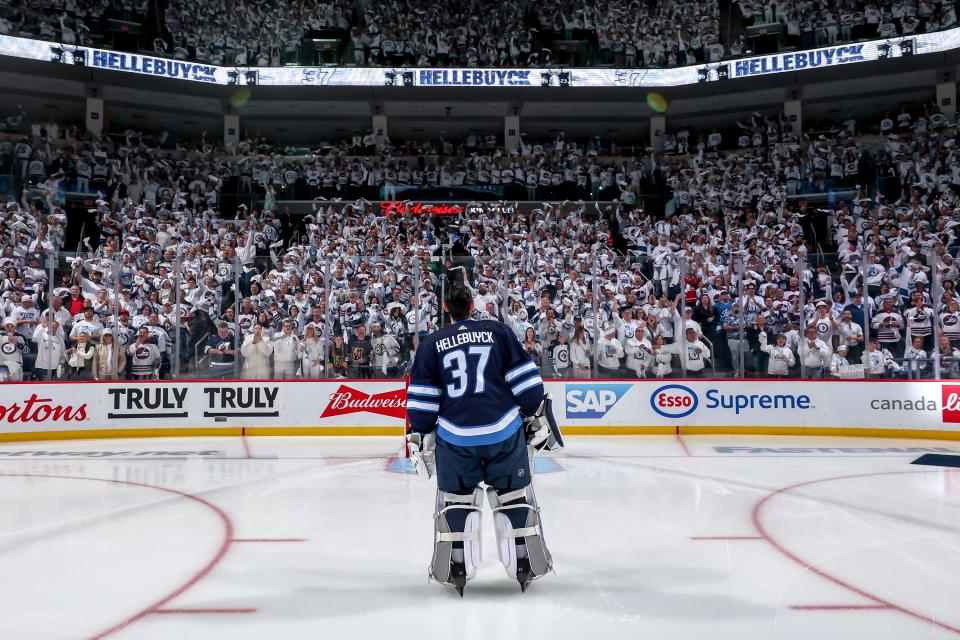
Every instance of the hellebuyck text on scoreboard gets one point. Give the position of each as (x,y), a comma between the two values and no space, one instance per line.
(293,76)
(797,61)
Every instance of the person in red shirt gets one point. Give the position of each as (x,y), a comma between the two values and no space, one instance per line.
(75,302)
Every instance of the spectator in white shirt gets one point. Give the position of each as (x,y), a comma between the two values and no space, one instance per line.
(286,353)
(50,348)
(814,354)
(610,352)
(256,352)
(915,359)
(311,353)
(838,361)
(781,356)
(695,355)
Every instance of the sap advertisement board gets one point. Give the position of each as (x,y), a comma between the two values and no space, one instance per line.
(757,403)
(292,76)
(362,406)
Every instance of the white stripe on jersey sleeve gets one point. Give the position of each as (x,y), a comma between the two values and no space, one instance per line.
(429,407)
(519,371)
(526,384)
(423,391)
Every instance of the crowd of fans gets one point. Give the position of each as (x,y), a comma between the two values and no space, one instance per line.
(246,33)
(463,33)
(80,22)
(810,24)
(471,33)
(641,34)
(739,276)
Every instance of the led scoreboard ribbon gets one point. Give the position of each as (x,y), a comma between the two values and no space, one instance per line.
(793,61)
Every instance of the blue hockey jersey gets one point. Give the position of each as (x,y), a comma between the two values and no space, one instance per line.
(471,381)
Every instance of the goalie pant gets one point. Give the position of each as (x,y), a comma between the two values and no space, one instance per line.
(505,468)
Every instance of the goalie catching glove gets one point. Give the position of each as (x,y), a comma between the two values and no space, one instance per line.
(422,449)
(542,431)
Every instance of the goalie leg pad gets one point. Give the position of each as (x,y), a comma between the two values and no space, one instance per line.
(516,517)
(456,532)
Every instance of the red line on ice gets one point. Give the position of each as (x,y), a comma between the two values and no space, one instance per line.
(246,445)
(200,611)
(884,604)
(726,538)
(683,444)
(269,539)
(183,588)
(840,607)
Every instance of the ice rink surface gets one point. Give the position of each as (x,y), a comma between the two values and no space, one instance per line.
(653,537)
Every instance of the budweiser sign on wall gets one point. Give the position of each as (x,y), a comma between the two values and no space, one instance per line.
(346,400)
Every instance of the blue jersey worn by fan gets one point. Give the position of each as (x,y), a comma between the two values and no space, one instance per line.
(475,402)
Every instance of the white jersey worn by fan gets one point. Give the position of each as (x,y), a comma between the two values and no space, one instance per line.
(695,355)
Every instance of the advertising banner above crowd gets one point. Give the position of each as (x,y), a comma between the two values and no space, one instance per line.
(365,407)
(292,76)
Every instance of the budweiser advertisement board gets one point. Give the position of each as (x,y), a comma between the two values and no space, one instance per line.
(346,401)
(585,404)
(404,208)
(469,208)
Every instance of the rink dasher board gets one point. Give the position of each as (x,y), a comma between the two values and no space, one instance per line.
(110,409)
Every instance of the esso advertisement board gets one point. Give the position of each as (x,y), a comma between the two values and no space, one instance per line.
(734,405)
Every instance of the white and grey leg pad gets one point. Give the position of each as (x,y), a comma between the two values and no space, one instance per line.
(444,536)
(530,535)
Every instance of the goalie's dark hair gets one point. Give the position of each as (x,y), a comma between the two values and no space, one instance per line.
(459,299)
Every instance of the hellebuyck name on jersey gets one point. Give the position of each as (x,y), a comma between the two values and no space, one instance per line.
(464,337)
(470,382)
